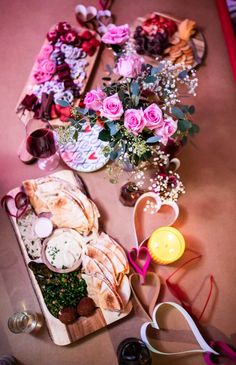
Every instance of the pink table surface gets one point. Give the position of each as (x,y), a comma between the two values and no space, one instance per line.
(207,217)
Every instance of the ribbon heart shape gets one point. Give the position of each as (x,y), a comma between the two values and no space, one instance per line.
(145,295)
(134,254)
(151,213)
(204,347)
(105,4)
(85,14)
(15,204)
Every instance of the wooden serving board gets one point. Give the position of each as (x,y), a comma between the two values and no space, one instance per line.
(197,42)
(66,334)
(26,115)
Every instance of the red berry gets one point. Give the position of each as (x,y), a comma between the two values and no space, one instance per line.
(94,42)
(85,46)
(86,35)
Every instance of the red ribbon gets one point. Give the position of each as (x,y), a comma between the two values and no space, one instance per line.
(182,296)
(15,206)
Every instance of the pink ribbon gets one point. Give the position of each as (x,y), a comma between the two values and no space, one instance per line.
(140,270)
(224,351)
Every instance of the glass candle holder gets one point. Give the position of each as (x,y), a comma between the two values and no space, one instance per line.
(24,322)
(133,351)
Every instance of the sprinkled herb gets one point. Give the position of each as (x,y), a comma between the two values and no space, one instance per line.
(59,290)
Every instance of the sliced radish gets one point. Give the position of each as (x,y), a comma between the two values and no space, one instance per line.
(43,227)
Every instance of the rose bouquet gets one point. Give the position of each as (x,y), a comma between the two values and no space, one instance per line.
(139,110)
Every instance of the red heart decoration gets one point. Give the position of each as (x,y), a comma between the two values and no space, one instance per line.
(87,129)
(93,156)
(105,4)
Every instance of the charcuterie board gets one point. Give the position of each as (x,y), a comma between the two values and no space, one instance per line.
(196,43)
(23,113)
(31,248)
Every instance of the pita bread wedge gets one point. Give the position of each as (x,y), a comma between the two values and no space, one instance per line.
(70,208)
(117,264)
(102,294)
(101,257)
(95,268)
(111,244)
(124,290)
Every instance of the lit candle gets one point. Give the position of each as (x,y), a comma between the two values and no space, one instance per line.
(166,245)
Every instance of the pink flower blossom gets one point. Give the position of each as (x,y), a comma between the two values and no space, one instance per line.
(153,116)
(134,121)
(93,99)
(40,77)
(168,129)
(47,66)
(45,51)
(112,108)
(116,34)
(129,66)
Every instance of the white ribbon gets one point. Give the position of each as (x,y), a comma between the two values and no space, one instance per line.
(204,347)
(159,204)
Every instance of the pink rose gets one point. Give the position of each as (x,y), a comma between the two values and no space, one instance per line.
(153,116)
(129,66)
(168,129)
(46,65)
(46,51)
(40,77)
(112,108)
(116,35)
(93,99)
(134,121)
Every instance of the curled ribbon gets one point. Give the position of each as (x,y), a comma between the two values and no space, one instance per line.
(142,271)
(204,347)
(182,296)
(15,206)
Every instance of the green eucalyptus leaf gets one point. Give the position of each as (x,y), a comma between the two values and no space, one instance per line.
(153,139)
(113,128)
(194,129)
(177,112)
(113,155)
(82,111)
(75,135)
(134,88)
(150,79)
(184,108)
(184,125)
(63,103)
(157,70)
(104,135)
(121,95)
(184,140)
(135,100)
(191,109)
